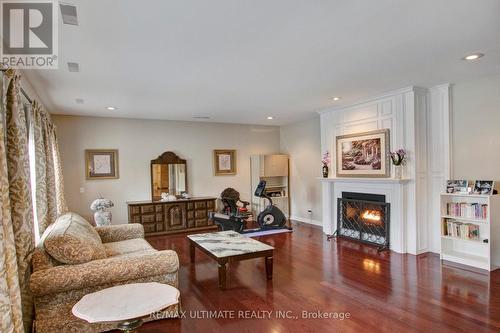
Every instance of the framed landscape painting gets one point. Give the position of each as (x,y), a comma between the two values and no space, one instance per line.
(101,163)
(363,154)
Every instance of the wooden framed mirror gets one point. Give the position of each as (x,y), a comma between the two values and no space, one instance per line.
(168,175)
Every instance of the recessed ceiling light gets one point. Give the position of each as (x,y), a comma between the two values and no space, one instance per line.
(474,56)
(270,118)
(111,108)
(336,98)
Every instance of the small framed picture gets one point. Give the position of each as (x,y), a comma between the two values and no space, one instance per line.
(101,164)
(457,186)
(224,162)
(484,187)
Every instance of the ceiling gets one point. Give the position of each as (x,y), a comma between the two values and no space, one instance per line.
(242,61)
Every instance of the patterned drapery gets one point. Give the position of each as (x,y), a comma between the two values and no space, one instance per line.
(11,319)
(17,197)
(50,202)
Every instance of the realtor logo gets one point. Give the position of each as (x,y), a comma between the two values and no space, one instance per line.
(29,31)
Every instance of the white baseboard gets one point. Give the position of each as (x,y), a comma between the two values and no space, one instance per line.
(305,220)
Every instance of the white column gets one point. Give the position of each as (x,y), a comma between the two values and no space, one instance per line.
(329,224)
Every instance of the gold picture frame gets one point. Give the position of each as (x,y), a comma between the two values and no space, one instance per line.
(364,154)
(224,162)
(101,164)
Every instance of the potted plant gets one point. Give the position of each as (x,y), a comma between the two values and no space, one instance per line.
(325,161)
(398,159)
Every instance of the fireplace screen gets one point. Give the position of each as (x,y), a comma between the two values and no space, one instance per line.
(364,220)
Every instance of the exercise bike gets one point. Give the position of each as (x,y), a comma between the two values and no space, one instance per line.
(270,218)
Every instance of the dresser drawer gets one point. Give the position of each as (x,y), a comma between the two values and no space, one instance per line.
(200,205)
(134,210)
(201,222)
(149,228)
(146,209)
(149,218)
(200,214)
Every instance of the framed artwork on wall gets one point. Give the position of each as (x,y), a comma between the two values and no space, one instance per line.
(101,164)
(364,154)
(224,162)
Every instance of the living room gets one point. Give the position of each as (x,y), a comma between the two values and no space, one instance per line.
(278,166)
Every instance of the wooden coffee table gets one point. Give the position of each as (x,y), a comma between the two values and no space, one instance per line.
(126,304)
(227,246)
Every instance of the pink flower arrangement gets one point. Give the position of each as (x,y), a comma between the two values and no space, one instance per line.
(326,159)
(398,157)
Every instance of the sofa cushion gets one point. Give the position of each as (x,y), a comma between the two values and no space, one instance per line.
(73,240)
(127,246)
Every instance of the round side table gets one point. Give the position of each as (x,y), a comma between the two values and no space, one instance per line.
(126,304)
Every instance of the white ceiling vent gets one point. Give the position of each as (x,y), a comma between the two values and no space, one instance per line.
(68,13)
(73,67)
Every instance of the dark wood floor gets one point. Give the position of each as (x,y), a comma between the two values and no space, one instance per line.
(384,292)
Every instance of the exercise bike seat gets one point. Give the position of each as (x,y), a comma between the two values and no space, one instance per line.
(227,222)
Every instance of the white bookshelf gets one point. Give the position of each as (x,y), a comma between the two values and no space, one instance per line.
(483,253)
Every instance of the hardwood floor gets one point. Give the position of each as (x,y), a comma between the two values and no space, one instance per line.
(384,292)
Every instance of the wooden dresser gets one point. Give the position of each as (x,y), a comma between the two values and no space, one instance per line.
(159,218)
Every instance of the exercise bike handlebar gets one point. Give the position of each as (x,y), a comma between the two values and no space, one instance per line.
(260,192)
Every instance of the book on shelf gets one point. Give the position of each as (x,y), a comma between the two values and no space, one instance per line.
(467,210)
(458,229)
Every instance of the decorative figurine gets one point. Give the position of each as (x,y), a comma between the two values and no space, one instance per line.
(101,216)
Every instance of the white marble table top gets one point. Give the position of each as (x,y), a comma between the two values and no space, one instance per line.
(228,243)
(125,302)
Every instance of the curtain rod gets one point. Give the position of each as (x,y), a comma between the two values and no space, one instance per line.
(22,90)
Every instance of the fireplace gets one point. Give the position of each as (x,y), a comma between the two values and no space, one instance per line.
(364,217)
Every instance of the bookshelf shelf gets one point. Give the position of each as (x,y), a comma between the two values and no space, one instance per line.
(471,251)
(465,219)
(473,241)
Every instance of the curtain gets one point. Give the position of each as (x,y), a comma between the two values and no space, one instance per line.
(50,202)
(10,295)
(17,210)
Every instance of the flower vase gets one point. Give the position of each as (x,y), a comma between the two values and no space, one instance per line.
(398,172)
(325,171)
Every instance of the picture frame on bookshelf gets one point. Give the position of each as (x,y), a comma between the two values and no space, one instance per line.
(485,187)
(457,186)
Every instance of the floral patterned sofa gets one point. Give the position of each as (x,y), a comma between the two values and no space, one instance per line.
(74,258)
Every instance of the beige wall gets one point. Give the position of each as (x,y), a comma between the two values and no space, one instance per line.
(476,129)
(140,141)
(302,142)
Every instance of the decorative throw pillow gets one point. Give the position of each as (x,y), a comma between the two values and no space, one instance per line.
(72,240)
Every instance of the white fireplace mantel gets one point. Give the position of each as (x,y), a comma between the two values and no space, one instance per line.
(364,180)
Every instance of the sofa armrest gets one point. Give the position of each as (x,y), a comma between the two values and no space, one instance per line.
(120,232)
(101,272)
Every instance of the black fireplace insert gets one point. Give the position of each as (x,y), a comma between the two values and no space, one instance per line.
(364,217)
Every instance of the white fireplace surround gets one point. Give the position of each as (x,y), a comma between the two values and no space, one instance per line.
(393,189)
(419,121)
